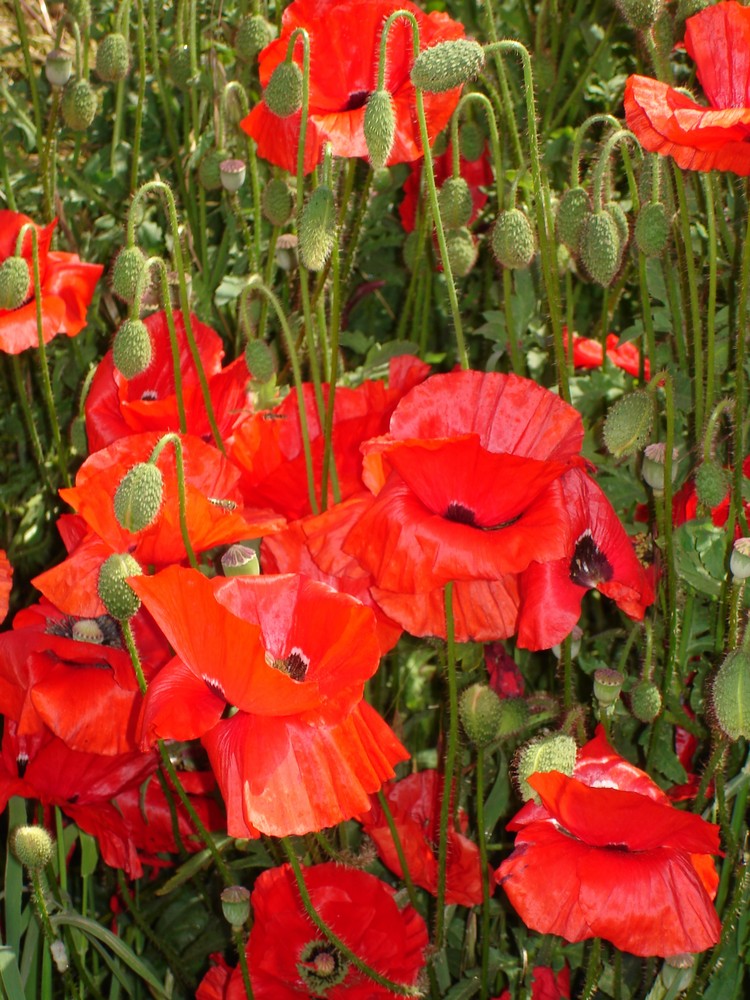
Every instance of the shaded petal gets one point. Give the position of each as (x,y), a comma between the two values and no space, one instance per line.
(718,39)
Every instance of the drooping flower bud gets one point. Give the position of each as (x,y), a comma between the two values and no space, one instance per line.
(317,228)
(447,65)
(379,127)
(259,360)
(628,424)
(572,211)
(739,561)
(57,67)
(454,202)
(640,14)
(600,247)
(471,141)
(617,212)
(607,686)
(277,201)
(240,560)
(113,58)
(119,598)
(232,173)
(645,701)
(730,695)
(479,709)
(654,465)
(235,905)
(652,229)
(712,483)
(139,496)
(15,282)
(547,753)
(209,169)
(283,94)
(32,845)
(253,34)
(127,273)
(179,66)
(78,105)
(132,349)
(462,251)
(513,242)
(382,180)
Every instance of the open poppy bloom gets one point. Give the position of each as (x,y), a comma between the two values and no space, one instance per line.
(116,407)
(302,751)
(607,855)
(67,287)
(415,803)
(588,353)
(289,957)
(344,56)
(701,138)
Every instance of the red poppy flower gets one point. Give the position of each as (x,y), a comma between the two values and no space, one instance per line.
(415,806)
(477,174)
(6,584)
(288,957)
(67,287)
(303,750)
(504,675)
(600,555)
(701,138)
(588,353)
(344,56)
(215,983)
(267,447)
(606,855)
(546,984)
(116,406)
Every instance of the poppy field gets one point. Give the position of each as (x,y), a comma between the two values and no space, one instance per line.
(375,494)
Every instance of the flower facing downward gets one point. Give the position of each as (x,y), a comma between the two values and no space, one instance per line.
(698,137)
(607,855)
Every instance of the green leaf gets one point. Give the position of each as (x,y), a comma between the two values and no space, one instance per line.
(700,552)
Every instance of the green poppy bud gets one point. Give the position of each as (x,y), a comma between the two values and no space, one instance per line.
(601,247)
(628,424)
(32,845)
(57,67)
(253,34)
(113,58)
(652,229)
(654,465)
(132,349)
(454,202)
(447,65)
(278,202)
(513,242)
(617,212)
(645,701)
(139,496)
(547,753)
(240,560)
(232,173)
(514,715)
(462,251)
(127,273)
(283,95)
(479,709)
(317,228)
(259,360)
(471,141)
(640,14)
(15,282)
(235,905)
(382,180)
(739,561)
(712,483)
(379,127)
(572,211)
(209,169)
(730,695)
(179,66)
(119,598)
(78,105)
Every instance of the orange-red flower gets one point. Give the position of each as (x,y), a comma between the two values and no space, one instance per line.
(289,957)
(414,803)
(303,750)
(344,55)
(588,353)
(698,137)
(66,289)
(6,584)
(607,855)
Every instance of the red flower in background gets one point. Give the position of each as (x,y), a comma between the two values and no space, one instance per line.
(546,984)
(606,855)
(415,806)
(588,353)
(6,584)
(701,138)
(304,750)
(116,406)
(344,56)
(289,958)
(67,287)
(477,174)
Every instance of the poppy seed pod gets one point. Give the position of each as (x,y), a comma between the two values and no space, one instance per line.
(240,560)
(232,173)
(283,94)
(607,686)
(132,349)
(573,209)
(119,598)
(653,468)
(259,360)
(379,127)
(479,709)
(547,753)
(139,497)
(15,282)
(32,845)
(712,483)
(277,202)
(628,424)
(127,273)
(57,67)
(652,229)
(739,561)
(113,58)
(447,65)
(513,242)
(645,701)
(455,203)
(235,905)
(317,228)
(78,105)
(640,14)
(253,34)
(730,695)
(601,247)
(462,251)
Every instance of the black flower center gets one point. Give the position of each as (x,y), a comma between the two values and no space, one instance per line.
(461,515)
(102,631)
(214,687)
(358,99)
(589,566)
(149,395)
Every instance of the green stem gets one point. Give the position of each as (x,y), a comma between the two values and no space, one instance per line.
(28,417)
(30,72)
(450,762)
(240,945)
(696,352)
(141,99)
(174,440)
(482,842)
(403,863)
(40,905)
(328,455)
(740,387)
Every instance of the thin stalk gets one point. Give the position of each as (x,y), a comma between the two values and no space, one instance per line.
(141,99)
(28,417)
(482,842)
(175,441)
(713,253)
(696,352)
(328,455)
(403,863)
(450,762)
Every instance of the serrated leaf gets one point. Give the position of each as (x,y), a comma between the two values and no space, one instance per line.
(699,548)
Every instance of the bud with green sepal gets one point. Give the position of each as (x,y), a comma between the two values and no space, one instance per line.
(601,247)
(479,709)
(645,701)
(652,229)
(730,695)
(32,845)
(277,202)
(513,240)
(118,597)
(113,58)
(462,251)
(455,203)
(471,140)
(712,483)
(253,34)
(546,753)
(15,282)
(80,12)
(259,361)
(132,349)
(572,211)
(128,273)
(317,228)
(627,427)
(209,169)
(78,105)
(139,497)
(447,65)
(283,93)
(514,716)
(379,127)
